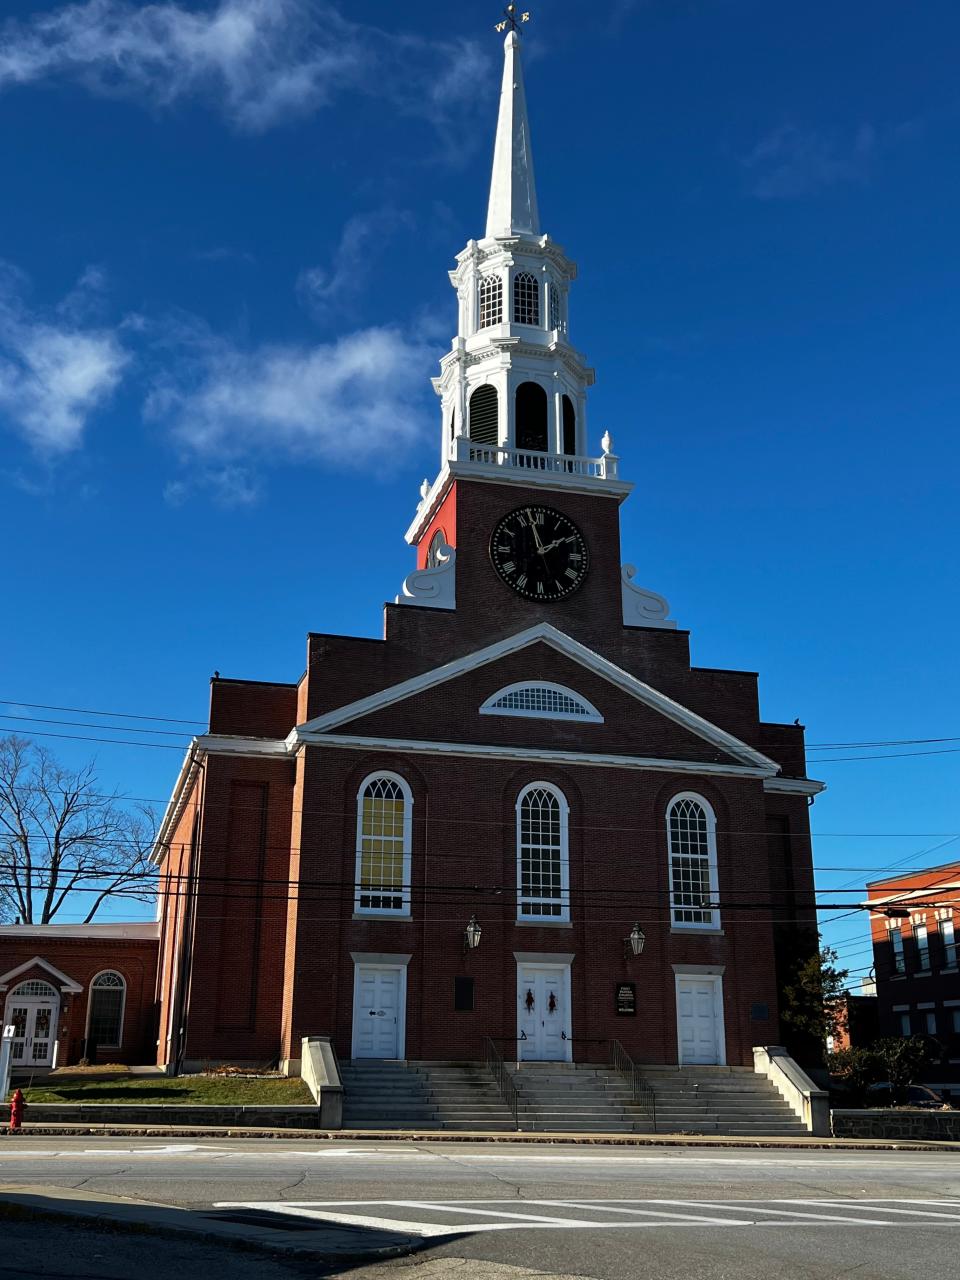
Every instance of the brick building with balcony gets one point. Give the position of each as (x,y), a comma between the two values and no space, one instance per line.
(914,924)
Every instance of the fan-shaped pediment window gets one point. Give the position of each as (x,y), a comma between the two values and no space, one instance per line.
(541,700)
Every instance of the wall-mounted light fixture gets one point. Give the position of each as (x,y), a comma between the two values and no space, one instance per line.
(633,942)
(471,935)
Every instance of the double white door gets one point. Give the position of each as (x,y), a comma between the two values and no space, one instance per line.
(33,1023)
(700,1021)
(543,1013)
(378,1011)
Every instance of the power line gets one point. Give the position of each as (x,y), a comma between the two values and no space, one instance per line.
(86,711)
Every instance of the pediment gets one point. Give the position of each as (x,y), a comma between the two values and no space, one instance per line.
(47,970)
(443,705)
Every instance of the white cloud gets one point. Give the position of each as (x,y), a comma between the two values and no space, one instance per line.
(334,288)
(54,371)
(789,163)
(342,402)
(259,61)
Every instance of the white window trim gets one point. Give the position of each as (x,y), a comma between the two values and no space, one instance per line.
(404,786)
(123,1006)
(714,926)
(564,916)
(591,714)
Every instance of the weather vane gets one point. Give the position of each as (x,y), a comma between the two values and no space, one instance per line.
(512,19)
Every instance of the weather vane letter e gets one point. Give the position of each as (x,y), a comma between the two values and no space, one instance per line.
(512,19)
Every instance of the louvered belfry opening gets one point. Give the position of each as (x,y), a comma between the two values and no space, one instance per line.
(532,430)
(569,426)
(484,416)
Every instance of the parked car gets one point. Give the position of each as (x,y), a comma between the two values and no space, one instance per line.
(882,1094)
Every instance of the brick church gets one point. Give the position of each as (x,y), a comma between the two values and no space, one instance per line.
(522,813)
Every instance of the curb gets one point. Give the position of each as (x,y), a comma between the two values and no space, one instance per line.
(499,1138)
(140,1217)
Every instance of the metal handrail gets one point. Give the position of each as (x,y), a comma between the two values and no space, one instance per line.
(506,1087)
(643,1094)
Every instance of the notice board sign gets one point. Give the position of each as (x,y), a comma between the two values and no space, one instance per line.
(626,999)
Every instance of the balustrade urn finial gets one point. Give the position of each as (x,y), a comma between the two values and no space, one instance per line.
(606,443)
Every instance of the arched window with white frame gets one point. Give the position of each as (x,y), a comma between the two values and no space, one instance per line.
(490,296)
(543,858)
(526,298)
(692,846)
(541,700)
(384,842)
(108,997)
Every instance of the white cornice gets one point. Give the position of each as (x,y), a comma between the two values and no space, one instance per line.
(539,755)
(547,634)
(207,744)
(133,929)
(794,786)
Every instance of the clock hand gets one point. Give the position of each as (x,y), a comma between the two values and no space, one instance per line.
(556,543)
(536,538)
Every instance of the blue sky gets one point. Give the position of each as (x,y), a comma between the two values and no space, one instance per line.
(224,235)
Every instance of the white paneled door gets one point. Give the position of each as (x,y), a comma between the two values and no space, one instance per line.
(700,1019)
(33,1023)
(379,998)
(543,1013)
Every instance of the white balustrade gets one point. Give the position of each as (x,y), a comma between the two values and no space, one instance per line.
(488,455)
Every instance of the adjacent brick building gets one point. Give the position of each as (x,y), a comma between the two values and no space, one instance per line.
(915,927)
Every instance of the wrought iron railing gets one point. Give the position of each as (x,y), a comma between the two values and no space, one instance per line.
(643,1095)
(506,1087)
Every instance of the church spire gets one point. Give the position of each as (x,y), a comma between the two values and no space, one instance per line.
(512,208)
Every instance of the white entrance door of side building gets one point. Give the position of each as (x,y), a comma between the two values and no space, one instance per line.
(700,1019)
(543,1012)
(379,1007)
(32,1010)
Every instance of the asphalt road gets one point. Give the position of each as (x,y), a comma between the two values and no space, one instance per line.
(507,1211)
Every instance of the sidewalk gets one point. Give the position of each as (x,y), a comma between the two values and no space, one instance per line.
(473,1136)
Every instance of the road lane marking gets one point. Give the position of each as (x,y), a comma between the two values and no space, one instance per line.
(786,1213)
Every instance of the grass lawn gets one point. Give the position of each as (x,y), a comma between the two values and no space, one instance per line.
(276,1091)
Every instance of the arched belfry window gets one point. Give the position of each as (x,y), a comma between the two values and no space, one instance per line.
(543,865)
(692,842)
(108,993)
(532,431)
(490,294)
(484,415)
(384,840)
(541,700)
(556,310)
(569,425)
(526,298)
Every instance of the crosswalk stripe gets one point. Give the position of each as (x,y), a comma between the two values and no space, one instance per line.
(785,1213)
(881,1207)
(589,1206)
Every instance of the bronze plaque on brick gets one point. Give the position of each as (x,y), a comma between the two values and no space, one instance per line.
(626,999)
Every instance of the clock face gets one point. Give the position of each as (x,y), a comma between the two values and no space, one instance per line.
(540,553)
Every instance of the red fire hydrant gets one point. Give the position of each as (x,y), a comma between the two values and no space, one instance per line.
(17,1107)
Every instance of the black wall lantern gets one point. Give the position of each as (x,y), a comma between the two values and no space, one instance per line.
(471,935)
(634,941)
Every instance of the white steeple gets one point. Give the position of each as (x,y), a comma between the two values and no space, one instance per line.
(512,208)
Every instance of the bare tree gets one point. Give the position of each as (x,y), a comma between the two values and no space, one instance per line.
(59,833)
